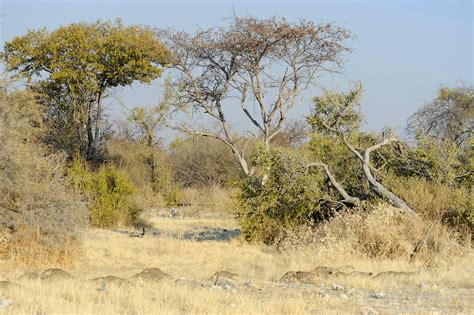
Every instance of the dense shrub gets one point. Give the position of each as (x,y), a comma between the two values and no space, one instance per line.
(440,161)
(111,194)
(201,161)
(434,201)
(36,210)
(435,177)
(280,196)
(149,169)
(346,168)
(381,232)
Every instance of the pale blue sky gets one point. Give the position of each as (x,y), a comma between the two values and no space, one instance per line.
(405,49)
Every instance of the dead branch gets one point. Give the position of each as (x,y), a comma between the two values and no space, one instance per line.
(377,186)
(421,242)
(347,198)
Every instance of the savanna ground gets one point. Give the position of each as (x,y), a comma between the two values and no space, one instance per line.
(255,285)
(327,227)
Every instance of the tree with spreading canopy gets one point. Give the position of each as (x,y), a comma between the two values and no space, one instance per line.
(265,64)
(77,66)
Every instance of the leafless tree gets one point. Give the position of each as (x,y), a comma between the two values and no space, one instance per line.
(265,63)
(292,134)
(449,116)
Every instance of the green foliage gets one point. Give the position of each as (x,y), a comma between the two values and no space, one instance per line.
(146,122)
(335,140)
(149,168)
(440,161)
(342,163)
(174,196)
(337,113)
(76,65)
(90,53)
(281,196)
(111,194)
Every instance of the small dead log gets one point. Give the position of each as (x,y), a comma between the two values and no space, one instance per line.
(421,242)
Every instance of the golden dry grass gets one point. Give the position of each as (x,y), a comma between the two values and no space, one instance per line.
(208,199)
(181,224)
(448,288)
(79,297)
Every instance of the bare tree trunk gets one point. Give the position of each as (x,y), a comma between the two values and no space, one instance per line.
(95,143)
(242,161)
(347,198)
(90,135)
(377,186)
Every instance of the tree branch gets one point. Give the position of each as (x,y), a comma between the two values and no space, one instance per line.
(347,198)
(377,186)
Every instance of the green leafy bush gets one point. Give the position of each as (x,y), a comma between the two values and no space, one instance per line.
(111,194)
(149,168)
(440,161)
(282,195)
(343,164)
(174,196)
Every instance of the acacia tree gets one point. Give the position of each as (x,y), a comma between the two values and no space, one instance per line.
(267,63)
(77,66)
(448,117)
(338,114)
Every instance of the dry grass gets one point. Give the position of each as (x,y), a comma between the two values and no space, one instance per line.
(185,223)
(213,199)
(31,247)
(109,253)
(80,297)
(382,233)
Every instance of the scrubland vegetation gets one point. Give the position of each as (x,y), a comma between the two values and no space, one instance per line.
(316,191)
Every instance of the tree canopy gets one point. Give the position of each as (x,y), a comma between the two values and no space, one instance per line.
(78,63)
(264,63)
(450,116)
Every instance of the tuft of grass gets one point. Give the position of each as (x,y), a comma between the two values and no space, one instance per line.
(34,247)
(382,233)
(434,201)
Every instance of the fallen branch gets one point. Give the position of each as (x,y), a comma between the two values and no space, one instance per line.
(347,198)
(421,242)
(377,186)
